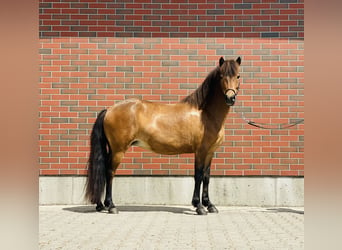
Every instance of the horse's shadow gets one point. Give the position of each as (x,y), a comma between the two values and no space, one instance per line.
(132,208)
(284,210)
(158,208)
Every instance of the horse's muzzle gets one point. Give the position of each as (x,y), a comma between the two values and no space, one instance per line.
(230,100)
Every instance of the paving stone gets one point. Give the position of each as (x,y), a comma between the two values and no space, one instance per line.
(170,227)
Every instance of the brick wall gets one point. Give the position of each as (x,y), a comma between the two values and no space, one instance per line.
(94,54)
(174,18)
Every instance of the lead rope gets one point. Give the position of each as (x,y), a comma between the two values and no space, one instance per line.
(271,126)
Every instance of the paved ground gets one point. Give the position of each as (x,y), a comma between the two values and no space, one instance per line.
(166,227)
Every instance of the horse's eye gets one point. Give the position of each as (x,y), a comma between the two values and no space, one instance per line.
(238,77)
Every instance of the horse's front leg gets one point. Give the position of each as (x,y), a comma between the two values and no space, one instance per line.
(205,194)
(196,202)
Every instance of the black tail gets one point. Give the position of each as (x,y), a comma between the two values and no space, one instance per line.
(97,162)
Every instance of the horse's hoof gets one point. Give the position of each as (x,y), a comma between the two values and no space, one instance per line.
(201,211)
(113,210)
(99,208)
(212,209)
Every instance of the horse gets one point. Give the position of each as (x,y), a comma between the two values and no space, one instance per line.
(193,125)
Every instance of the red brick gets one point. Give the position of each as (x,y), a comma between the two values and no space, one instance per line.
(233,172)
(49,172)
(270,161)
(297,167)
(252,172)
(270,172)
(289,173)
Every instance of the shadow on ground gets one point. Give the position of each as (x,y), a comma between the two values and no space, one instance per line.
(167,209)
(132,208)
(284,210)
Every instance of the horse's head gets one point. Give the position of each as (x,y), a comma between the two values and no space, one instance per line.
(229,78)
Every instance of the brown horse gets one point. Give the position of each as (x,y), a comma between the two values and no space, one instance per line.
(195,125)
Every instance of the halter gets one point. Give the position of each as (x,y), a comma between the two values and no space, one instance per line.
(230,101)
(225,93)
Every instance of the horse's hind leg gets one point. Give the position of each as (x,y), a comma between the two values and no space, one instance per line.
(99,206)
(108,202)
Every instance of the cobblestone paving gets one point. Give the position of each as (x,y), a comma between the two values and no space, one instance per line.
(170,227)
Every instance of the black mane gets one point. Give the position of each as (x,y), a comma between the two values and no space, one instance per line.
(199,97)
(206,90)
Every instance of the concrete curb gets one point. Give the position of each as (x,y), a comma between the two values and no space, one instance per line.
(223,191)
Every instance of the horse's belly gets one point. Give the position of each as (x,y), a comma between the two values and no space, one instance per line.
(164,146)
(172,149)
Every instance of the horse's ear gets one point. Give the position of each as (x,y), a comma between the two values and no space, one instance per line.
(221,61)
(238,60)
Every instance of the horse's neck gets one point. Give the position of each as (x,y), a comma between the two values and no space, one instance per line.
(216,110)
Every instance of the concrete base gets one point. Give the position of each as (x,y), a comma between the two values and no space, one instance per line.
(223,191)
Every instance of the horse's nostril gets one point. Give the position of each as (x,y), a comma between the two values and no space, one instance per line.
(230,100)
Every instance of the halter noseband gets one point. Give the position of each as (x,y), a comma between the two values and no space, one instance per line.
(230,100)
(225,93)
